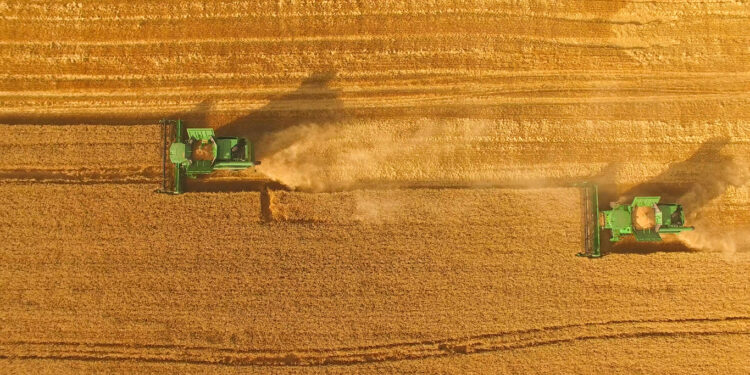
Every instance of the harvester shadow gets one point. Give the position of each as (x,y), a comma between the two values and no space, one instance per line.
(196,117)
(604,180)
(708,153)
(660,185)
(313,102)
(322,102)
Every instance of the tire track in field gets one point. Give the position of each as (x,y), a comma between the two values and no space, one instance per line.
(270,84)
(422,101)
(563,42)
(575,17)
(705,106)
(350,89)
(496,342)
(120,175)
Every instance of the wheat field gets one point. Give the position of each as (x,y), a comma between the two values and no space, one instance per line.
(415,209)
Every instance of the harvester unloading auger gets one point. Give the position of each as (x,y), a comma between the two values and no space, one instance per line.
(198,151)
(645,218)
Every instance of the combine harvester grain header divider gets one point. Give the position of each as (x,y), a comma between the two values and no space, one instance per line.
(645,218)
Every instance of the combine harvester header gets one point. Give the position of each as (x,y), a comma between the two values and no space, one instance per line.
(198,151)
(645,218)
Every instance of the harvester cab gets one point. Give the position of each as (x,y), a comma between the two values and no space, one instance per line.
(197,151)
(645,218)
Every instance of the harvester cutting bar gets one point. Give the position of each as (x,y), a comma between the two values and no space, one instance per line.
(171,132)
(591,227)
(163,155)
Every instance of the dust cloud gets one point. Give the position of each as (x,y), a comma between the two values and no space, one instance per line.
(336,157)
(711,234)
(295,158)
(728,243)
(374,209)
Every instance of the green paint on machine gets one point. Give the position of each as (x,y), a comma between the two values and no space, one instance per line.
(197,151)
(645,218)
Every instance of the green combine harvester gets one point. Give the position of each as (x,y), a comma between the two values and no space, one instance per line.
(197,151)
(646,219)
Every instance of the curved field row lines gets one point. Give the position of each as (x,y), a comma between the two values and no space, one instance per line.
(497,342)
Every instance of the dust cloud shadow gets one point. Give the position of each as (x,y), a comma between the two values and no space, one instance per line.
(313,102)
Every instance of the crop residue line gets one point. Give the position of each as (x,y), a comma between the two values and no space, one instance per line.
(568,42)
